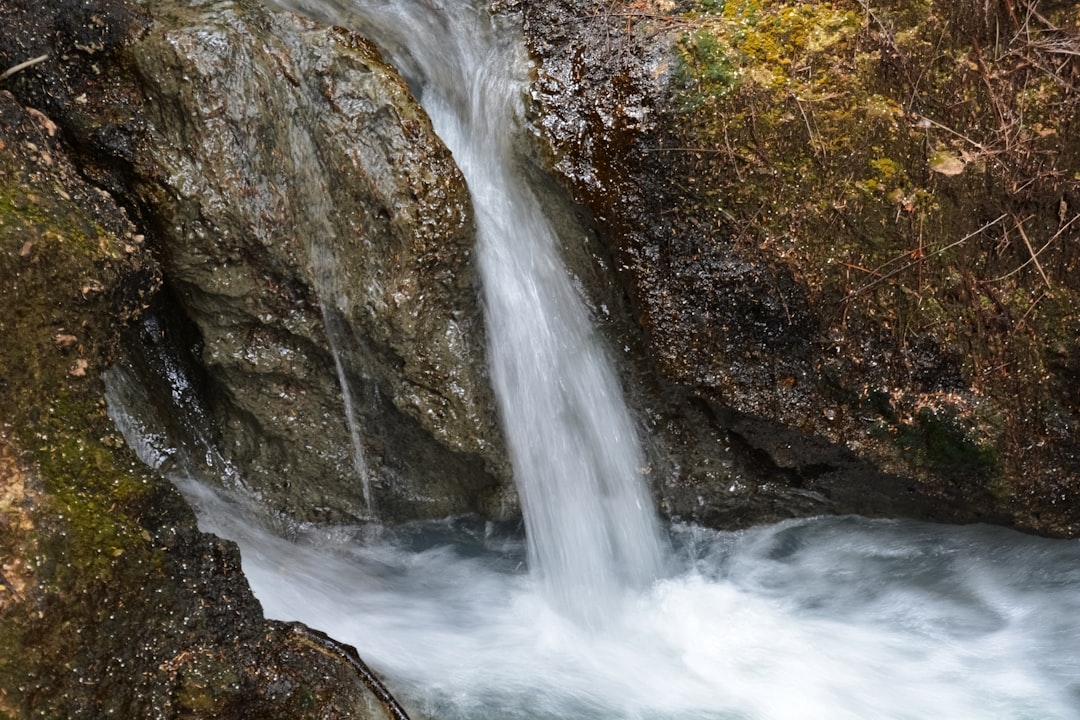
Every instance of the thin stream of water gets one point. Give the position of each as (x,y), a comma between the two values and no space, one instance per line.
(591,526)
(323,265)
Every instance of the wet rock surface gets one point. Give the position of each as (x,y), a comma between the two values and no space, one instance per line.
(829,237)
(305,215)
(841,302)
(288,200)
(112,603)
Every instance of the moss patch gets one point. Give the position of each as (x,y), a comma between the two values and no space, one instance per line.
(917,174)
(71,530)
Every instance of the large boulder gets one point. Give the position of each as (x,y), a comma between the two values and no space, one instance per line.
(320,236)
(847,232)
(112,603)
(313,230)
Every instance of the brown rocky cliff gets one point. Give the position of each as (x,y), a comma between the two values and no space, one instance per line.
(850,230)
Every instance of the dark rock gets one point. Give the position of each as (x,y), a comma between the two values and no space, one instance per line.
(826,248)
(112,603)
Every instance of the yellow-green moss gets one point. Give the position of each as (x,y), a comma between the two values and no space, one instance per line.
(88,492)
(60,273)
(905,171)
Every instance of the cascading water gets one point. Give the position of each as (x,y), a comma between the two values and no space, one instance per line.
(323,267)
(589,520)
(830,618)
(591,528)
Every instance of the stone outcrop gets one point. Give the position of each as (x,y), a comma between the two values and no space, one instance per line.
(847,232)
(314,231)
(306,208)
(112,603)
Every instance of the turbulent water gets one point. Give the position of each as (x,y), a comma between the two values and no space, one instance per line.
(828,618)
(599,614)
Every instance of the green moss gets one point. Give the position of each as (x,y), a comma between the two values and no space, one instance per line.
(60,261)
(905,175)
(91,495)
(705,71)
(941,440)
(60,272)
(938,437)
(207,684)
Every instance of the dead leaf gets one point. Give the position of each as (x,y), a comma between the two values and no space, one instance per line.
(43,121)
(91,288)
(946,163)
(26,248)
(79,368)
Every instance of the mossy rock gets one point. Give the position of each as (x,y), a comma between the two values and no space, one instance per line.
(836,203)
(112,603)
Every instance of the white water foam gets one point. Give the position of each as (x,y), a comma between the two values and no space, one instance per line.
(816,619)
(825,618)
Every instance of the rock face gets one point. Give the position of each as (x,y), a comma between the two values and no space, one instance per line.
(112,603)
(848,234)
(318,236)
(306,209)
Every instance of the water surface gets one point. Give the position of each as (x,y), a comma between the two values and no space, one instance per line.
(820,618)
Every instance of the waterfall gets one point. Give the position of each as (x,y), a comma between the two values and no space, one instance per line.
(827,618)
(590,523)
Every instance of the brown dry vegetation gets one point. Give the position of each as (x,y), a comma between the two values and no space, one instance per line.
(861,219)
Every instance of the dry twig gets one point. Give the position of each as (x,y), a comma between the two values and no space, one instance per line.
(882,278)
(22,66)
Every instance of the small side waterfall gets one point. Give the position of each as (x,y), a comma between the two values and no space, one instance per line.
(333,301)
(322,262)
(591,527)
